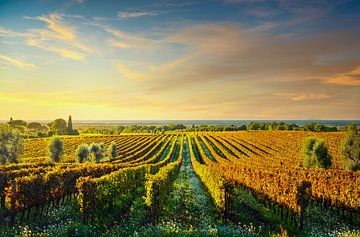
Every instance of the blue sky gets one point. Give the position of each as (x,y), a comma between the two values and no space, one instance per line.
(221,59)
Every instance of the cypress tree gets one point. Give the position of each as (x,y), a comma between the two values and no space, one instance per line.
(70,126)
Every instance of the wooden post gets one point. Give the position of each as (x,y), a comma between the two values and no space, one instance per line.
(13,203)
(304,191)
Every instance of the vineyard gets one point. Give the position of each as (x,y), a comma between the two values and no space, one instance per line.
(204,184)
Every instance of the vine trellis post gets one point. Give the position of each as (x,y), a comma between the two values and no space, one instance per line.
(304,194)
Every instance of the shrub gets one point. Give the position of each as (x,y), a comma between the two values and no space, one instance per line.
(315,154)
(96,152)
(11,144)
(350,152)
(55,149)
(351,128)
(82,153)
(112,151)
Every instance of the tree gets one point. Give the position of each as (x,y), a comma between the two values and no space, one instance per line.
(11,144)
(242,127)
(350,152)
(96,152)
(112,151)
(58,126)
(34,126)
(70,126)
(120,129)
(315,154)
(82,153)
(309,126)
(17,123)
(318,127)
(55,149)
(253,126)
(351,128)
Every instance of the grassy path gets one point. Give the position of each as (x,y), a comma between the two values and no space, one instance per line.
(189,204)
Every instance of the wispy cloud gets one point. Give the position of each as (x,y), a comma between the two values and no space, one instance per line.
(17,62)
(129,40)
(9,33)
(351,78)
(303,96)
(65,53)
(120,44)
(57,38)
(129,73)
(134,14)
(232,54)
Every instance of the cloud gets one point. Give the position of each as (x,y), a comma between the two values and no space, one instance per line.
(120,44)
(234,55)
(58,38)
(129,73)
(79,1)
(65,53)
(10,33)
(17,62)
(303,96)
(134,14)
(351,78)
(129,40)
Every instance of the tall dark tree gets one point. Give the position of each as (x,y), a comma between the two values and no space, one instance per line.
(70,126)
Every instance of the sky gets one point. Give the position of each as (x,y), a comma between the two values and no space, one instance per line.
(170,59)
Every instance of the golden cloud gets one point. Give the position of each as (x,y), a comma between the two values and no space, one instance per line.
(303,96)
(17,62)
(351,78)
(57,37)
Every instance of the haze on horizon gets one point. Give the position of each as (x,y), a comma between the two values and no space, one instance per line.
(168,59)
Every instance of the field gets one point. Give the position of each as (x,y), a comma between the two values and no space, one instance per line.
(247,183)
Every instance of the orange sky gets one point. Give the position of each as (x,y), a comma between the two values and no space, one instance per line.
(179,61)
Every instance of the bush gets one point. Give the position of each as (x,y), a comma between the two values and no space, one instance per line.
(96,152)
(55,149)
(350,152)
(82,153)
(112,151)
(315,154)
(351,128)
(11,144)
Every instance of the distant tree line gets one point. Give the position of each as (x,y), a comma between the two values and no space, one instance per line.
(113,130)
(35,129)
(61,127)
(274,126)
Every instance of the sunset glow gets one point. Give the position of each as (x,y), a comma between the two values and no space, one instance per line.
(222,59)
